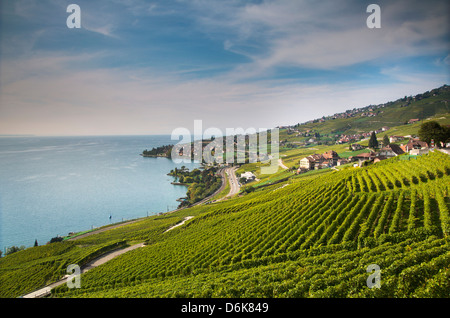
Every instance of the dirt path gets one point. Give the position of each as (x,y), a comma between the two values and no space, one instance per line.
(179,224)
(281,164)
(108,256)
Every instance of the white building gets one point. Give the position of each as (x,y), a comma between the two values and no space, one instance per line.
(249,176)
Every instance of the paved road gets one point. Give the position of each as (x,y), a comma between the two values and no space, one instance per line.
(221,172)
(232,180)
(234,183)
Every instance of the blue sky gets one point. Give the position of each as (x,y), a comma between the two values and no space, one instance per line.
(148,67)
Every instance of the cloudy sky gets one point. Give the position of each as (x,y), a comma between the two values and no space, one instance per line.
(148,67)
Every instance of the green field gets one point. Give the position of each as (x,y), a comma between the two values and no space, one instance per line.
(312,236)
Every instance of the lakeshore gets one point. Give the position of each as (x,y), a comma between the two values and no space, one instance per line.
(51,186)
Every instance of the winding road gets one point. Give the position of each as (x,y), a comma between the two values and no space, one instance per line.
(234,183)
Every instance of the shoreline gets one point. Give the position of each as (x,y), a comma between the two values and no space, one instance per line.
(115,225)
(106,227)
(154,156)
(92,167)
(181,183)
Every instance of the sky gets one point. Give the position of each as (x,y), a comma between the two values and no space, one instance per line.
(140,67)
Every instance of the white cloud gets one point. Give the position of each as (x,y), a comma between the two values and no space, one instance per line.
(327,35)
(118,101)
(106,30)
(56,93)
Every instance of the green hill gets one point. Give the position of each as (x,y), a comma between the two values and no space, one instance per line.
(313,236)
(430,104)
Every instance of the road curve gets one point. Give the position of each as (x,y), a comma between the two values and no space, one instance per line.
(281,164)
(234,184)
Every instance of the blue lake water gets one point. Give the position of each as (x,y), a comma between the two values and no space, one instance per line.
(51,186)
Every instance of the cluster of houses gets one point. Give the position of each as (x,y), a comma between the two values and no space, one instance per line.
(320,161)
(331,158)
(368,111)
(356,137)
(344,138)
(375,110)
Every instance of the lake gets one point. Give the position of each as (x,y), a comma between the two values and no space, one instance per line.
(51,186)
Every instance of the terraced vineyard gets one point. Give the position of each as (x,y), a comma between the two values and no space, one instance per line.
(312,238)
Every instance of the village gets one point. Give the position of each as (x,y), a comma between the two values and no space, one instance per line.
(330,159)
(413,147)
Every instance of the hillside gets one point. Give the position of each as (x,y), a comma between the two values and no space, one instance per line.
(325,134)
(312,236)
(391,114)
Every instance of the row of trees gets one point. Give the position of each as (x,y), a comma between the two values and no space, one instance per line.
(13,249)
(162,151)
(433,131)
(201,183)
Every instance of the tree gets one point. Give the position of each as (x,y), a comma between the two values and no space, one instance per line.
(432,130)
(446,134)
(386,140)
(249,189)
(35,243)
(56,239)
(373,142)
(14,249)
